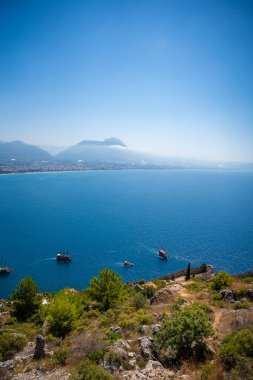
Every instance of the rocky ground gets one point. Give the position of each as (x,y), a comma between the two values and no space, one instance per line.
(35,361)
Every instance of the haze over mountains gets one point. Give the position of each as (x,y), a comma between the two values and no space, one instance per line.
(17,150)
(109,151)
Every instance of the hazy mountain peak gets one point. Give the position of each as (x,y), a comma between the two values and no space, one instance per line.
(19,150)
(112,141)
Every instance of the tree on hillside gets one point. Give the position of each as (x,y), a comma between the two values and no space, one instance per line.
(185,332)
(188,272)
(108,290)
(25,299)
(61,314)
(221,280)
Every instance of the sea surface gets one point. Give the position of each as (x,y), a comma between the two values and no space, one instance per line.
(105,217)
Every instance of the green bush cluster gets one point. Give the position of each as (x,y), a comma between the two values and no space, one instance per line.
(221,280)
(60,356)
(88,370)
(62,313)
(236,348)
(185,332)
(25,299)
(10,344)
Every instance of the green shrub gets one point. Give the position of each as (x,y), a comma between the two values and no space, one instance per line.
(60,356)
(10,345)
(139,301)
(25,299)
(61,315)
(206,370)
(149,292)
(114,358)
(108,290)
(112,336)
(221,280)
(247,280)
(91,371)
(185,332)
(243,305)
(96,356)
(197,285)
(236,348)
(159,283)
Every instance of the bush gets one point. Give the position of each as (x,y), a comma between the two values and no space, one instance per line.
(139,301)
(185,332)
(61,315)
(96,356)
(108,290)
(112,336)
(25,299)
(91,371)
(10,345)
(60,356)
(236,348)
(114,359)
(149,292)
(222,280)
(243,305)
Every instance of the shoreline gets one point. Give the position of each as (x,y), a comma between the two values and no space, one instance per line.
(124,169)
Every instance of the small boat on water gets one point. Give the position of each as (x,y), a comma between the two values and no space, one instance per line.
(163,254)
(128,264)
(63,257)
(5,270)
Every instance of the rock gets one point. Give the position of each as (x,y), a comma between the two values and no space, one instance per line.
(39,374)
(132,363)
(239,322)
(39,352)
(8,364)
(175,288)
(151,372)
(143,329)
(147,347)
(153,364)
(185,377)
(227,294)
(183,302)
(116,329)
(121,347)
(155,329)
(163,296)
(210,351)
(121,343)
(44,329)
(242,300)
(250,294)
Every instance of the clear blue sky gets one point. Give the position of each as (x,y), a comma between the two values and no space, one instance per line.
(168,76)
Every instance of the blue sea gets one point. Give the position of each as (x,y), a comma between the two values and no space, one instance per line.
(105,217)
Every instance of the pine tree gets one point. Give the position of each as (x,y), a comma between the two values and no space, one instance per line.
(107,289)
(25,299)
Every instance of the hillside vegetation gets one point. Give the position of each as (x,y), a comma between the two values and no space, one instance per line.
(182,329)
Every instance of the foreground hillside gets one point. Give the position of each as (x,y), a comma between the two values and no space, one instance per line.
(195,329)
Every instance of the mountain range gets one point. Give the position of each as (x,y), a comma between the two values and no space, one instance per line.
(107,152)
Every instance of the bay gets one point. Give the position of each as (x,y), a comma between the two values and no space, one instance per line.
(105,217)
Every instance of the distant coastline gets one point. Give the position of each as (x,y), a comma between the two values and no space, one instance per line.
(15,171)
